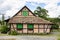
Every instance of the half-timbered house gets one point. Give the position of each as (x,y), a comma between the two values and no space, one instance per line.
(25,21)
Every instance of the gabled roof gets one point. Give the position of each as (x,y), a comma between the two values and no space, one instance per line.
(23,8)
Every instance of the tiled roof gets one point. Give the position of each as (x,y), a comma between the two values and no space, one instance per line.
(29,20)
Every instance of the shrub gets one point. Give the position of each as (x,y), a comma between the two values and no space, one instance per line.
(13,33)
(4,29)
(55,26)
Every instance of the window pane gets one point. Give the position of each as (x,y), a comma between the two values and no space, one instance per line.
(25,13)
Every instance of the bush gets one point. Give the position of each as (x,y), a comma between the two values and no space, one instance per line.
(4,29)
(55,26)
(13,33)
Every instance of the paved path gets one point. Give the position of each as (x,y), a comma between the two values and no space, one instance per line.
(26,38)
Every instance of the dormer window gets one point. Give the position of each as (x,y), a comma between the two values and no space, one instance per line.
(25,13)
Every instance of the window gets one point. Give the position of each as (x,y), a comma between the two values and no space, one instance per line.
(30,26)
(25,13)
(19,26)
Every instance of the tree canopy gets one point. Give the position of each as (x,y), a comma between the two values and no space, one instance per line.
(54,20)
(41,12)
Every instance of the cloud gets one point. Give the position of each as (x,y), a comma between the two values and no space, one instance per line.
(10,7)
(53,8)
(50,5)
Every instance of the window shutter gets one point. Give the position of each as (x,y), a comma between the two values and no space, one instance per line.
(19,26)
(30,26)
(25,13)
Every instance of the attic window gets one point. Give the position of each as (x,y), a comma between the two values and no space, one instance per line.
(25,13)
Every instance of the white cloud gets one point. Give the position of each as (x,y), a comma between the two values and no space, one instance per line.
(13,4)
(51,6)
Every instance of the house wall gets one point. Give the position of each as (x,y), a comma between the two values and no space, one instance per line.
(37,28)
(24,28)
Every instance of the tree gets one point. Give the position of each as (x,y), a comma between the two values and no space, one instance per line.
(4,28)
(2,19)
(56,22)
(41,12)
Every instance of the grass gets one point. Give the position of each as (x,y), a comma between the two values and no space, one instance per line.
(58,37)
(3,34)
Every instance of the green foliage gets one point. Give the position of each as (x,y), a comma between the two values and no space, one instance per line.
(55,26)
(13,32)
(4,29)
(41,12)
(0,22)
(2,19)
(54,20)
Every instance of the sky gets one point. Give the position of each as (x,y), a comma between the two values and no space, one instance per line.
(11,7)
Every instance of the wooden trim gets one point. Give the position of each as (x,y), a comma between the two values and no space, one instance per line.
(44,28)
(32,29)
(28,13)
(10,26)
(34,23)
(35,28)
(38,28)
(13,27)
